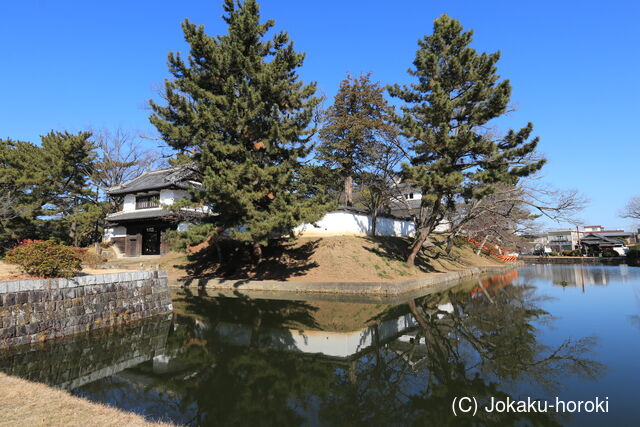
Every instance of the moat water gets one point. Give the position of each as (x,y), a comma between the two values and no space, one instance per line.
(556,334)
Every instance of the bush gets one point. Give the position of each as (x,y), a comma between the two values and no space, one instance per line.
(574,252)
(633,256)
(553,253)
(45,258)
(609,253)
(89,258)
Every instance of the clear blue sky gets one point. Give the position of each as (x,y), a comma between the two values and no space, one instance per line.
(574,68)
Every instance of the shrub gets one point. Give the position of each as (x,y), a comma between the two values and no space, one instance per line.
(633,256)
(45,258)
(89,258)
(553,253)
(574,252)
(609,253)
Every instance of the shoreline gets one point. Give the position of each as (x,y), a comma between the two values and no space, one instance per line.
(348,288)
(24,402)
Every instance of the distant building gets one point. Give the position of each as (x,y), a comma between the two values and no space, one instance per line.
(407,200)
(594,236)
(562,240)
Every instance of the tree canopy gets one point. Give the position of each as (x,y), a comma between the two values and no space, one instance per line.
(357,128)
(237,106)
(446,121)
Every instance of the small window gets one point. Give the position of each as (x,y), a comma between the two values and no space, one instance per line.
(147,202)
(411,195)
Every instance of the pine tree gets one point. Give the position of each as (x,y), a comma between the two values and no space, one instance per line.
(239,109)
(356,124)
(67,179)
(445,120)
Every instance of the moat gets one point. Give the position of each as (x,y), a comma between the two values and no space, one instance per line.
(544,332)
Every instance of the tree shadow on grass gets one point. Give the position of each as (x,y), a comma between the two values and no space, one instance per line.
(280,261)
(397,249)
(241,309)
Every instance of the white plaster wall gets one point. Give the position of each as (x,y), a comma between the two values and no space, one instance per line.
(341,223)
(129,203)
(169,197)
(110,233)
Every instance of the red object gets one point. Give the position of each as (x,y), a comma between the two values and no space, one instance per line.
(498,255)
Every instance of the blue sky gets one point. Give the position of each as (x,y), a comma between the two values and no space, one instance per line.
(573,67)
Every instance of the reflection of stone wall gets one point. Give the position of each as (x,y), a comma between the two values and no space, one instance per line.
(80,359)
(36,310)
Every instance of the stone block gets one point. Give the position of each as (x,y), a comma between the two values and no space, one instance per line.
(13,286)
(3,287)
(9,299)
(22,297)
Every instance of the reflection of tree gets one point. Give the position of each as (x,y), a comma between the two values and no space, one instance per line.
(470,341)
(476,349)
(635,318)
(220,384)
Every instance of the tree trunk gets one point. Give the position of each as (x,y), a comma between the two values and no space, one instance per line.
(374,222)
(423,232)
(74,232)
(257,252)
(417,245)
(450,240)
(479,251)
(348,190)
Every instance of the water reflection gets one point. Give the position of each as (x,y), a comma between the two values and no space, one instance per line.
(239,360)
(578,275)
(80,359)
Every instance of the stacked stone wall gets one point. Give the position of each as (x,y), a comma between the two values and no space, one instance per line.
(76,360)
(37,310)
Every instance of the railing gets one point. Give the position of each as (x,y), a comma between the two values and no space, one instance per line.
(147,202)
(494,253)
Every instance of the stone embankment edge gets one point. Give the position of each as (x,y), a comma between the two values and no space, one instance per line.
(355,288)
(37,310)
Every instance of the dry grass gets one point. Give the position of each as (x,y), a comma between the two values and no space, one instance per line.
(24,403)
(333,259)
(10,272)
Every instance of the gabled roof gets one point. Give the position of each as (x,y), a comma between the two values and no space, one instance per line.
(599,239)
(177,176)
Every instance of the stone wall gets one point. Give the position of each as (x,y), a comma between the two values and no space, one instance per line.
(76,360)
(36,310)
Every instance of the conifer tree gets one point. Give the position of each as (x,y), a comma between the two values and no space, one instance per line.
(67,179)
(238,107)
(356,124)
(456,95)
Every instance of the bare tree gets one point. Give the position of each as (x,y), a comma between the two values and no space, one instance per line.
(121,157)
(632,209)
(511,211)
(378,183)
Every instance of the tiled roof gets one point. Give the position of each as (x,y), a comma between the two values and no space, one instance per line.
(139,214)
(177,176)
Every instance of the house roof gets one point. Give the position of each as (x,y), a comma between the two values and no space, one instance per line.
(139,214)
(599,239)
(178,176)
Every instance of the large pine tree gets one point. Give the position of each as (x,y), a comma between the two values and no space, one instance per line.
(356,126)
(238,107)
(448,110)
